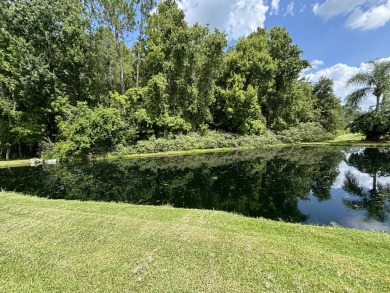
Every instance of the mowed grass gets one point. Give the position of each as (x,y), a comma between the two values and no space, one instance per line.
(71,246)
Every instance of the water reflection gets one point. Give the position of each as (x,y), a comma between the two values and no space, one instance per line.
(375,200)
(268,183)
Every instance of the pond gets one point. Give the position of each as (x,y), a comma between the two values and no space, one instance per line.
(309,185)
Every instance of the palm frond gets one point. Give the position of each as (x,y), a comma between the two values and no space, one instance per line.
(375,81)
(384,190)
(351,185)
(381,73)
(361,79)
(381,66)
(355,204)
(356,97)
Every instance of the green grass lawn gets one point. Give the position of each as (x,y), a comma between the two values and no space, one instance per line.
(352,139)
(71,246)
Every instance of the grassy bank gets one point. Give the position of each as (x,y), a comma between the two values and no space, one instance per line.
(170,153)
(351,139)
(70,246)
(342,140)
(14,163)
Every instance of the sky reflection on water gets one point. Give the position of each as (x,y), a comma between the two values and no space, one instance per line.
(316,185)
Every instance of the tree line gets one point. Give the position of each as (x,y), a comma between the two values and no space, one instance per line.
(95,74)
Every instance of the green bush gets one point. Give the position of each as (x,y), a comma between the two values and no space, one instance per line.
(88,132)
(305,132)
(191,141)
(373,125)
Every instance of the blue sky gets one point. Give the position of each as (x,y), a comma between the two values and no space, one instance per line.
(337,36)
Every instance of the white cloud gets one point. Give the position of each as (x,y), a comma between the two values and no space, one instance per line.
(290,9)
(315,64)
(235,17)
(358,222)
(340,73)
(373,18)
(275,7)
(332,8)
(361,14)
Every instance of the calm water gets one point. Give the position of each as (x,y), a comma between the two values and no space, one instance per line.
(321,185)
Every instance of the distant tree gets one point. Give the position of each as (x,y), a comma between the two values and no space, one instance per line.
(376,81)
(246,76)
(267,63)
(180,67)
(119,17)
(106,65)
(328,105)
(241,110)
(145,8)
(305,101)
(278,102)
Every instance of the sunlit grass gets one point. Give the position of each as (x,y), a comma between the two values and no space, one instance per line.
(71,246)
(169,153)
(14,163)
(351,139)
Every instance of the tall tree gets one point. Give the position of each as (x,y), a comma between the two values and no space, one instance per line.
(247,75)
(303,106)
(278,102)
(328,105)
(119,17)
(44,55)
(185,63)
(106,65)
(144,8)
(376,81)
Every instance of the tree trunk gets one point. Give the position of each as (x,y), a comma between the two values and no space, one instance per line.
(378,103)
(7,153)
(138,65)
(374,184)
(141,31)
(118,51)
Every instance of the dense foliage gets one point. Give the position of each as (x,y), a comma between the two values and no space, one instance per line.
(376,123)
(71,84)
(373,125)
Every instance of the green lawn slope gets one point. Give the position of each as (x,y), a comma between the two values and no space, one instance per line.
(71,246)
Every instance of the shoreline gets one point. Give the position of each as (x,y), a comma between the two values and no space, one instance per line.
(343,140)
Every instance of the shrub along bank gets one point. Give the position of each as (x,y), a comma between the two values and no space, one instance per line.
(305,132)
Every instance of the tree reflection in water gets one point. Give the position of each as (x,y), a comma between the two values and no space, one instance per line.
(376,200)
(265,183)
